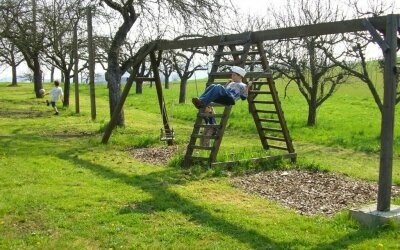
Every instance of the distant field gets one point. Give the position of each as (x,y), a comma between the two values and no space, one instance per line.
(61,189)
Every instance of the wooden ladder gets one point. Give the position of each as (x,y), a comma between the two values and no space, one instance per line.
(266,109)
(230,53)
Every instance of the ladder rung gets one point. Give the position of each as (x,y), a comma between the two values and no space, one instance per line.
(260,82)
(258,74)
(253,52)
(277,147)
(201,147)
(204,115)
(272,129)
(207,125)
(259,92)
(229,63)
(266,111)
(273,138)
(224,53)
(221,74)
(269,120)
(197,158)
(264,102)
(205,136)
(253,62)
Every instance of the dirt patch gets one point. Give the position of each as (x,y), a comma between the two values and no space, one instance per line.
(311,193)
(157,156)
(22,113)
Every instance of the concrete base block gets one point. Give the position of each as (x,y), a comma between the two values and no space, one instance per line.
(371,217)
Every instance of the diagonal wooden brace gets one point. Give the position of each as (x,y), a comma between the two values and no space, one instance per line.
(375,35)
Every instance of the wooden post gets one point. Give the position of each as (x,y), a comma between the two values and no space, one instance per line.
(118,108)
(76,65)
(161,102)
(139,57)
(388,112)
(91,63)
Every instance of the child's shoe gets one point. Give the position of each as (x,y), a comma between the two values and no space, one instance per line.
(198,103)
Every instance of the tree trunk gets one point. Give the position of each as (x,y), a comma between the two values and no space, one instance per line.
(13,69)
(312,113)
(139,87)
(166,81)
(67,87)
(182,90)
(37,77)
(114,91)
(91,59)
(14,75)
(52,74)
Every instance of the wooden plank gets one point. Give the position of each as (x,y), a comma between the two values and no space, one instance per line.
(259,92)
(388,114)
(208,125)
(282,33)
(201,147)
(260,159)
(205,136)
(272,130)
(269,120)
(277,147)
(273,138)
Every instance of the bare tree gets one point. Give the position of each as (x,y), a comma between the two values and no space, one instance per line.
(353,59)
(129,11)
(10,56)
(167,67)
(302,61)
(63,20)
(185,66)
(20,24)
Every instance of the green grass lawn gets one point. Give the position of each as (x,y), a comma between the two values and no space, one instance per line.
(61,189)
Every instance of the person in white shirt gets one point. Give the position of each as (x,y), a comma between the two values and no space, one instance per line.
(226,95)
(55,94)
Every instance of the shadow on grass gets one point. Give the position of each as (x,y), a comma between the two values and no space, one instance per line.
(157,185)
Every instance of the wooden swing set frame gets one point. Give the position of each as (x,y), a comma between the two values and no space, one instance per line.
(388,25)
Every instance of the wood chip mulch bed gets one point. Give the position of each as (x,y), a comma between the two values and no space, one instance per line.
(158,156)
(311,193)
(307,192)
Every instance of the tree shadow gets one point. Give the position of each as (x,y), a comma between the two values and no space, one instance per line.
(157,185)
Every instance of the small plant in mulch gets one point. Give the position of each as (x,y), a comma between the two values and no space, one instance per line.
(311,192)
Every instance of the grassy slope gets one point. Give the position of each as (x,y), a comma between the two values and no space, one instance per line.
(59,188)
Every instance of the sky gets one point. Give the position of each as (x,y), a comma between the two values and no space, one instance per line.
(258,7)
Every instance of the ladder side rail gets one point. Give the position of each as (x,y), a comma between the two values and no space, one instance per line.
(277,104)
(220,133)
(189,149)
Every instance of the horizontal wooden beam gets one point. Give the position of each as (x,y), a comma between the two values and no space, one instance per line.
(282,33)
(255,160)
